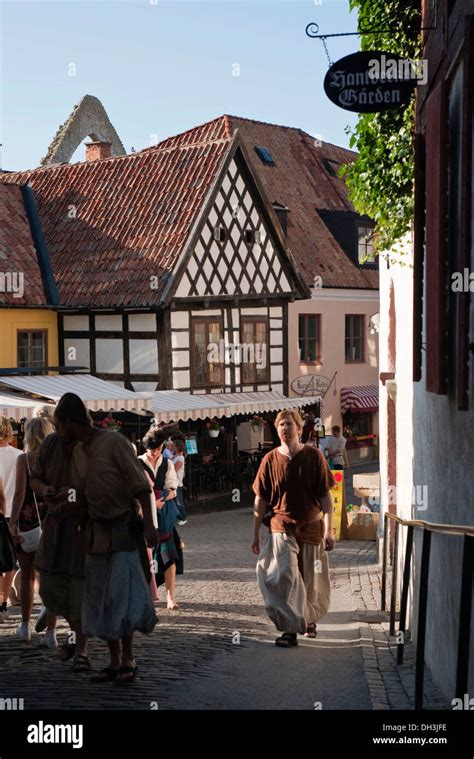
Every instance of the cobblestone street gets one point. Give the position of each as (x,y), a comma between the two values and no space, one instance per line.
(217,651)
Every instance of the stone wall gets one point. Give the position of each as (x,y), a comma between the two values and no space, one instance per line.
(88,119)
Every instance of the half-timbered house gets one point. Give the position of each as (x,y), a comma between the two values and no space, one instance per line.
(171,265)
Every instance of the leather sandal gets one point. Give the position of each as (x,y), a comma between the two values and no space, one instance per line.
(106,675)
(130,673)
(67,651)
(311,630)
(81,664)
(287,640)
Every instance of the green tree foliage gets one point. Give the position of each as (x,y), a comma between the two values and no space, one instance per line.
(380,181)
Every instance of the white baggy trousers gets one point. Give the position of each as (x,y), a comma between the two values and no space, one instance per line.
(293,600)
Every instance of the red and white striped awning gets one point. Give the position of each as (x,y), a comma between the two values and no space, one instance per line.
(360,399)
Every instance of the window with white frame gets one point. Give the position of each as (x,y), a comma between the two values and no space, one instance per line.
(365,245)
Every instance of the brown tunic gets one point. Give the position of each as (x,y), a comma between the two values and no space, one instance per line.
(293,489)
(62,546)
(113,477)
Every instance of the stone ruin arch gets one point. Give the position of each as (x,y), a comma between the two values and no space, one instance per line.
(88,119)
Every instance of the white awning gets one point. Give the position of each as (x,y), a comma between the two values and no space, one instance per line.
(97,394)
(16,407)
(173,405)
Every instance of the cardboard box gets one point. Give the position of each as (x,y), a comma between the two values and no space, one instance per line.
(361,525)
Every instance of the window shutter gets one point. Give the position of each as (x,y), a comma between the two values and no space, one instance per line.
(464,357)
(436,243)
(418,258)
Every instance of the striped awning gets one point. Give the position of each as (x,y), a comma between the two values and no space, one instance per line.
(360,399)
(174,405)
(97,394)
(17,407)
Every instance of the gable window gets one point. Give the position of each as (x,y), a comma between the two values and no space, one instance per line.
(309,338)
(354,338)
(265,156)
(254,367)
(32,348)
(206,334)
(365,245)
(252,236)
(220,234)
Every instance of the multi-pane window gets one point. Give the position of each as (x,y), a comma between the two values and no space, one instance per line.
(357,424)
(32,348)
(254,351)
(365,245)
(354,342)
(207,367)
(309,339)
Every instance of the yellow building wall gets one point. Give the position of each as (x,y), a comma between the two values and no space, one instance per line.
(14,319)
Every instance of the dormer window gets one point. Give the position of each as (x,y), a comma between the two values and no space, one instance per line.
(332,167)
(282,215)
(365,245)
(220,234)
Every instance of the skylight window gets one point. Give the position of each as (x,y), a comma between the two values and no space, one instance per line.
(265,156)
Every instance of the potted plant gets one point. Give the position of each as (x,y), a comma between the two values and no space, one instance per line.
(214,428)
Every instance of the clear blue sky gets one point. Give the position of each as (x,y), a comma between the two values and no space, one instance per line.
(163,66)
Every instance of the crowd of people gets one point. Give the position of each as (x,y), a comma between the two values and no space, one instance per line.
(96,526)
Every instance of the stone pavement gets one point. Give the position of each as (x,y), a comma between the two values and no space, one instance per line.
(218,652)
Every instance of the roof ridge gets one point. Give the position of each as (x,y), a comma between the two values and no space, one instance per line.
(186,131)
(284,126)
(156,148)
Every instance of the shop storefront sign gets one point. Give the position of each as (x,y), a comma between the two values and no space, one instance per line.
(310,384)
(337,499)
(372,81)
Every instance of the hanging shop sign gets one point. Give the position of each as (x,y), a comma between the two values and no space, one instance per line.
(310,384)
(373,80)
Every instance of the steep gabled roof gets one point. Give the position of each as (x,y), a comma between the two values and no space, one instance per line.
(115,227)
(304,178)
(20,260)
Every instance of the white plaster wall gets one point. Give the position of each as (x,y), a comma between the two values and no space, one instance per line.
(444,462)
(400,273)
(434,450)
(333,305)
(110,322)
(143,356)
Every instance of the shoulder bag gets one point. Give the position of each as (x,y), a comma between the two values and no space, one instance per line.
(30,540)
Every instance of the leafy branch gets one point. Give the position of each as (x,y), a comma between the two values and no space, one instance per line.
(381,180)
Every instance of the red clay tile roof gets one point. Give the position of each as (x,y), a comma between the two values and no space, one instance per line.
(18,254)
(300,181)
(112,225)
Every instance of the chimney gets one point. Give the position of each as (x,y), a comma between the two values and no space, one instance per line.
(95,151)
(282,215)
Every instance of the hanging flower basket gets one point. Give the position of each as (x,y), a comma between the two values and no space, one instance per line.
(213,429)
(257,423)
(109,423)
